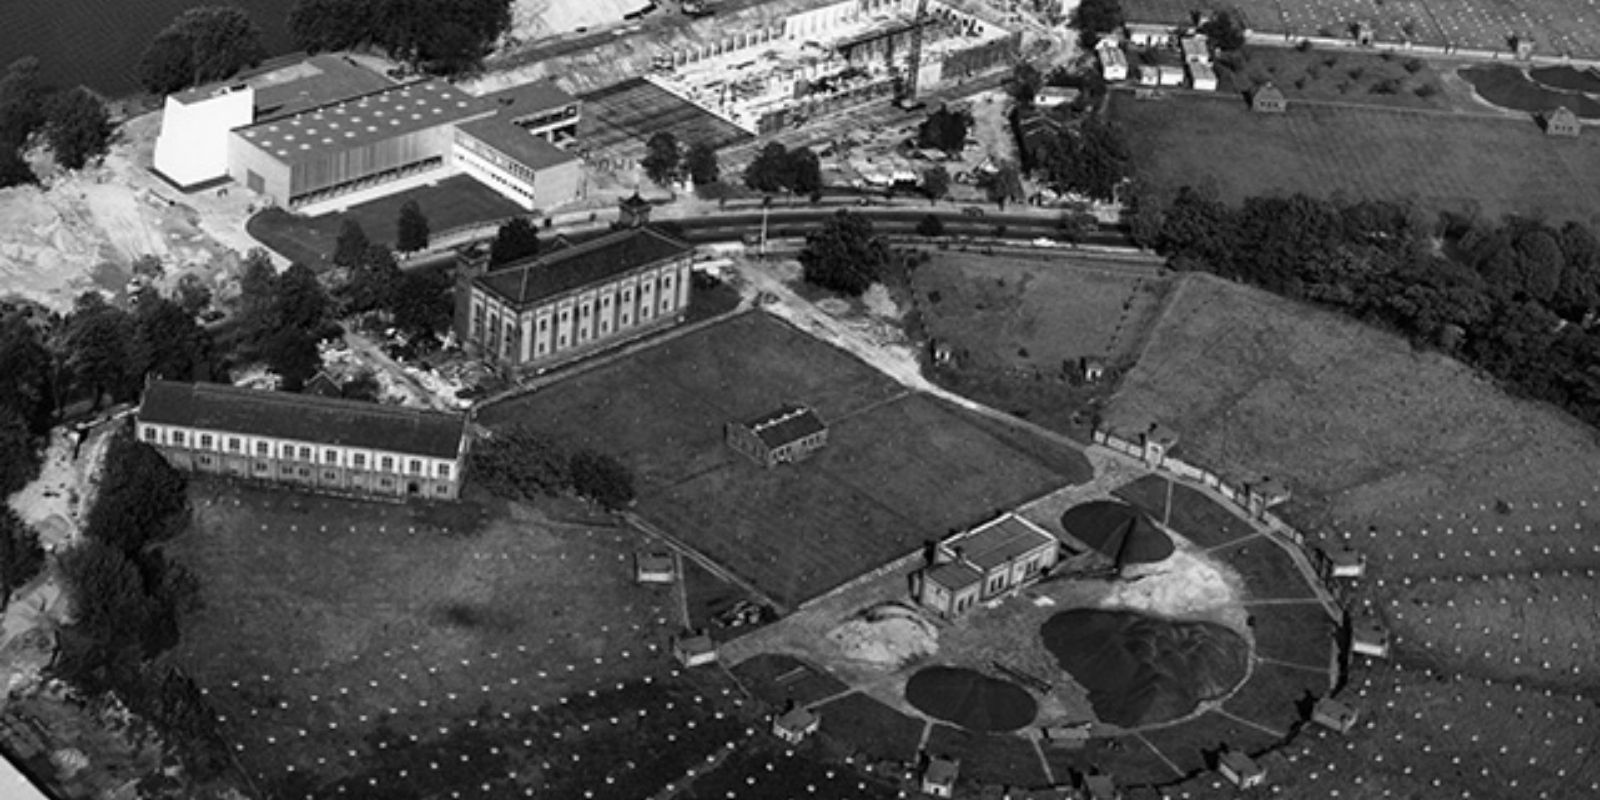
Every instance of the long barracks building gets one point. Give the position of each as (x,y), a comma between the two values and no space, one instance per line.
(316,442)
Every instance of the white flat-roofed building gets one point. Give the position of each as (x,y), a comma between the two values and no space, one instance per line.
(1202,77)
(1113,62)
(323,443)
(192,147)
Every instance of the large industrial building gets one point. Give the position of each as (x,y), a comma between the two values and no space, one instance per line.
(310,132)
(533,313)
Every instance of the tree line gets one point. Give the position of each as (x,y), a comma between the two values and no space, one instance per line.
(526,463)
(1515,297)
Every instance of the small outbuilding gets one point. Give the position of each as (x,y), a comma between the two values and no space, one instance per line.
(1369,638)
(1156,444)
(1334,715)
(794,725)
(939,779)
(1113,62)
(1344,562)
(1092,369)
(1073,736)
(1202,77)
(694,650)
(790,434)
(655,568)
(1268,99)
(1241,770)
(1264,494)
(1101,787)
(1560,121)
(1196,48)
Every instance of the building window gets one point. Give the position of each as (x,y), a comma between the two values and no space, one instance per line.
(177,437)
(261,466)
(329,475)
(305,454)
(442,489)
(150,434)
(540,349)
(416,467)
(304,472)
(263,449)
(387,464)
(234,445)
(359,460)
(205,440)
(444,470)
(330,456)
(562,342)
(205,461)
(387,483)
(544,324)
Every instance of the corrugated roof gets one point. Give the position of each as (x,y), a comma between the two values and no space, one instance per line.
(788,424)
(954,575)
(362,120)
(541,277)
(525,148)
(1000,540)
(324,420)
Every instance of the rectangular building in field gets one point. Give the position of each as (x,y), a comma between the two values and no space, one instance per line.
(317,442)
(994,558)
(549,308)
(789,434)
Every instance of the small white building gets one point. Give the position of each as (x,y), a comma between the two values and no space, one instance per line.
(694,650)
(1345,562)
(1052,96)
(1113,62)
(1169,76)
(1334,715)
(1142,34)
(794,725)
(1202,77)
(656,568)
(939,779)
(1241,770)
(1157,443)
(1369,638)
(1196,49)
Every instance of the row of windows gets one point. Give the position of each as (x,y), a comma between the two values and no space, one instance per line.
(235,444)
(263,469)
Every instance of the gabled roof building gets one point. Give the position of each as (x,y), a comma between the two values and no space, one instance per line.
(791,433)
(985,562)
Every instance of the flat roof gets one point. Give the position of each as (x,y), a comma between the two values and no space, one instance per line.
(954,575)
(527,149)
(316,81)
(788,424)
(1000,540)
(306,418)
(531,98)
(364,119)
(542,277)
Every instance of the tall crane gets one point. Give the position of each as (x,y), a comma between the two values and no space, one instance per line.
(908,87)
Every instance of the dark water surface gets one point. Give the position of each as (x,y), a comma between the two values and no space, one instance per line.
(98,42)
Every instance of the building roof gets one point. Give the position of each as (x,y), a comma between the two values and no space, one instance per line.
(954,575)
(788,424)
(655,562)
(530,98)
(315,81)
(541,277)
(1240,763)
(1272,488)
(525,148)
(1100,787)
(1162,435)
(324,420)
(942,771)
(362,120)
(1001,540)
(796,719)
(1200,71)
(1267,93)
(696,644)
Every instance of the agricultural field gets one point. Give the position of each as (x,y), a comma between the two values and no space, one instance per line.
(861,725)
(1349,76)
(400,651)
(899,467)
(1377,152)
(1475,512)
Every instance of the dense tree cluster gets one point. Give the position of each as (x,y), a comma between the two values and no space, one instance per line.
(700,162)
(201,45)
(282,317)
(21,555)
(1096,18)
(663,159)
(411,229)
(946,130)
(515,239)
(77,127)
(1515,297)
(524,463)
(778,169)
(21,113)
(1090,159)
(844,255)
(1225,30)
(445,38)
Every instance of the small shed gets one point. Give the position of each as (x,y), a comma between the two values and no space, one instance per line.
(1268,99)
(1264,494)
(1345,562)
(1196,48)
(1157,443)
(790,434)
(1143,34)
(1072,737)
(694,650)
(794,725)
(1560,121)
(1051,96)
(633,211)
(654,567)
(1101,787)
(939,779)
(1092,369)
(1113,62)
(1202,77)
(1369,638)
(1241,770)
(1170,75)
(1334,715)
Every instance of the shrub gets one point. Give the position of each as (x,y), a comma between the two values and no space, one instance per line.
(1427,90)
(1414,65)
(1304,46)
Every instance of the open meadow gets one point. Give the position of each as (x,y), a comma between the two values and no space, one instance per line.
(373,650)
(1475,512)
(1432,158)
(899,468)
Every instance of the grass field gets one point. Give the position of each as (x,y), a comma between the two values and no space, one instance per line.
(331,625)
(1433,159)
(1190,512)
(1193,746)
(1273,694)
(862,725)
(776,679)
(1016,313)
(1511,87)
(899,467)
(1476,513)
(1268,572)
(1352,76)
(988,758)
(453,201)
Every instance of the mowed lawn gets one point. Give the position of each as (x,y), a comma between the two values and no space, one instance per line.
(327,621)
(900,467)
(1437,159)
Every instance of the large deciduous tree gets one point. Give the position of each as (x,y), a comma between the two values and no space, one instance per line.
(515,239)
(700,162)
(21,555)
(663,158)
(351,243)
(1095,18)
(77,127)
(945,130)
(845,255)
(203,44)
(141,500)
(19,453)
(411,229)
